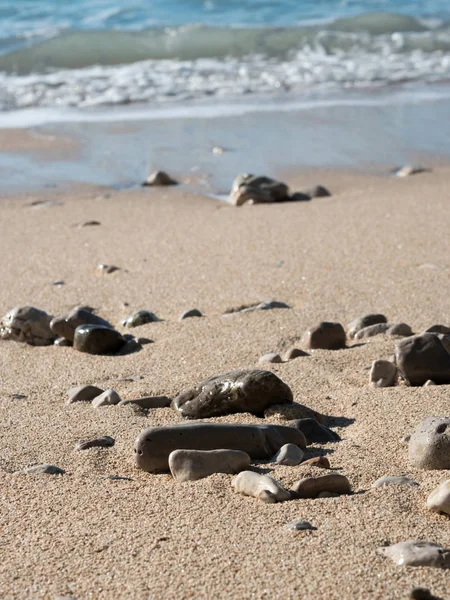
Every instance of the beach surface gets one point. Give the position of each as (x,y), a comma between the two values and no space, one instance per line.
(106,529)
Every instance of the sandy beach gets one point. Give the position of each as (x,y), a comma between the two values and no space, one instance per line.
(106,529)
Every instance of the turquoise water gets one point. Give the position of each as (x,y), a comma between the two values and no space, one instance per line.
(90,53)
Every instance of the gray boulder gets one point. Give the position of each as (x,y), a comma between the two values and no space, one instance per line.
(27,324)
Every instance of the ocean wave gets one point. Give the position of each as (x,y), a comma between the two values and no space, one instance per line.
(106,68)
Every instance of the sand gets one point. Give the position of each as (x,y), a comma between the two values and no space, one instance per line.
(378,244)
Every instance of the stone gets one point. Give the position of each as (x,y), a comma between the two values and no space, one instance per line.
(428,383)
(187,314)
(390,480)
(300,525)
(315,432)
(292,411)
(270,358)
(27,324)
(317,191)
(439,499)
(108,398)
(266,305)
(140,317)
(83,393)
(100,442)
(429,445)
(318,461)
(326,336)
(62,342)
(312,487)
(190,465)
(300,197)
(107,269)
(289,455)
(91,223)
(237,391)
(422,594)
(408,170)
(258,486)
(417,553)
(294,353)
(154,445)
(97,339)
(363,322)
(143,341)
(43,469)
(79,315)
(399,329)
(148,402)
(158,179)
(257,189)
(383,373)
(438,329)
(424,357)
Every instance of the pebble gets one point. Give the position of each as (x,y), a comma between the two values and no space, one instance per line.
(318,461)
(408,170)
(312,487)
(266,305)
(79,315)
(294,353)
(91,223)
(237,391)
(299,197)
(107,398)
(143,341)
(154,445)
(289,455)
(43,469)
(326,336)
(383,373)
(423,357)
(391,480)
(363,322)
(83,393)
(140,317)
(159,178)
(62,342)
(422,594)
(438,329)
(27,324)
(187,314)
(129,347)
(257,189)
(291,411)
(439,499)
(107,269)
(97,339)
(191,465)
(100,442)
(429,445)
(400,329)
(148,402)
(417,553)
(317,191)
(258,486)
(300,525)
(272,357)
(315,432)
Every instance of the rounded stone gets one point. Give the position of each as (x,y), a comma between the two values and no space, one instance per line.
(391,480)
(423,357)
(259,189)
(108,398)
(429,445)
(439,499)
(262,487)
(363,322)
(100,442)
(294,353)
(83,393)
(79,315)
(315,432)
(159,178)
(326,336)
(312,487)
(140,317)
(187,314)
(272,357)
(383,373)
(289,455)
(418,553)
(148,402)
(97,339)
(191,465)
(394,329)
(291,411)
(43,469)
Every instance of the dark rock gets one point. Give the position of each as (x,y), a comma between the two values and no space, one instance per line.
(438,329)
(153,446)
(314,432)
(143,341)
(300,525)
(194,312)
(237,391)
(129,347)
(364,321)
(97,339)
(27,324)
(83,393)
(159,178)
(255,189)
(267,305)
(140,317)
(291,411)
(43,470)
(326,336)
(100,442)
(299,197)
(63,342)
(79,315)
(423,357)
(294,353)
(318,461)
(148,402)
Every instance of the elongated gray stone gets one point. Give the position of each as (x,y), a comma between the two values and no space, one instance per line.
(237,391)
(148,402)
(394,329)
(391,480)
(154,445)
(43,469)
(429,445)
(423,357)
(300,525)
(266,305)
(315,432)
(83,393)
(363,322)
(96,339)
(418,553)
(262,487)
(257,189)
(314,487)
(108,398)
(325,336)
(140,317)
(289,455)
(190,465)
(27,324)
(101,442)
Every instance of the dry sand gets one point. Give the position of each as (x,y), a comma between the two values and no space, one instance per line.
(83,535)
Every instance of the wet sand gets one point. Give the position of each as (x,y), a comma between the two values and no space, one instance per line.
(378,244)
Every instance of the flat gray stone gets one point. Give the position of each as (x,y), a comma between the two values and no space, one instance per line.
(429,445)
(392,480)
(300,525)
(43,469)
(83,393)
(191,465)
(363,322)
(262,487)
(266,305)
(394,329)
(315,432)
(148,402)
(101,442)
(418,553)
(108,398)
